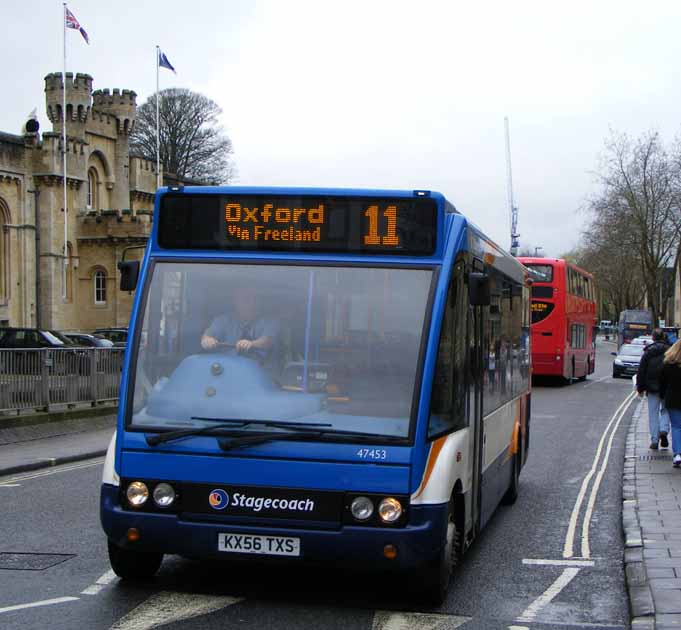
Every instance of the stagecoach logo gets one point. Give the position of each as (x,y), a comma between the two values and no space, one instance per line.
(218,499)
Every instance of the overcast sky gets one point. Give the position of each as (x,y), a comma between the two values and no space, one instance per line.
(386,94)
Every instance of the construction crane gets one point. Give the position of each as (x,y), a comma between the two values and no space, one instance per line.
(512,208)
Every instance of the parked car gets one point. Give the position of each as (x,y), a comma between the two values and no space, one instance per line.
(119,336)
(28,361)
(627,360)
(88,340)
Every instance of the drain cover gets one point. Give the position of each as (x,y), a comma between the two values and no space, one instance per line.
(648,458)
(32,561)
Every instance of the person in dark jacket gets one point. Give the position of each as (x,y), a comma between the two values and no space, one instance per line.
(670,390)
(648,382)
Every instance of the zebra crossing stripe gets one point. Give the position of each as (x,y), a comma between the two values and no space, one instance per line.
(386,620)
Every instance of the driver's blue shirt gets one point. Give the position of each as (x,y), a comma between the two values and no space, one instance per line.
(228,329)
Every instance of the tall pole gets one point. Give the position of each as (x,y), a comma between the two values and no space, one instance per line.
(158,142)
(66,234)
(513,210)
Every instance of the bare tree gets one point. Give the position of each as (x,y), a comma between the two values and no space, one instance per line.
(193,144)
(636,219)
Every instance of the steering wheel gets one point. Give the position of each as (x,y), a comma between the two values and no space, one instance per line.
(221,346)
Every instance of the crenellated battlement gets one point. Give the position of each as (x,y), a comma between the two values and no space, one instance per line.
(121,104)
(81,82)
(109,100)
(78,100)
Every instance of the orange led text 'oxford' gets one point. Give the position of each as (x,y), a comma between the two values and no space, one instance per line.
(298,224)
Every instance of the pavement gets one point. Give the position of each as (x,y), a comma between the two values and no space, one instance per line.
(651,519)
(42,445)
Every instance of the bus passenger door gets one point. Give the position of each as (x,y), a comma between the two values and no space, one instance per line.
(475,375)
(475,378)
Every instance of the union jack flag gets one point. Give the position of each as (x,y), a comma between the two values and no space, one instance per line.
(72,22)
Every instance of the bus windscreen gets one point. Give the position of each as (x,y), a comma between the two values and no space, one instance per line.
(279,222)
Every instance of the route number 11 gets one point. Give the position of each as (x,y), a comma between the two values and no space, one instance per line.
(391,238)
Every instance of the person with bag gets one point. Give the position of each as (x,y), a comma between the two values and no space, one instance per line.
(648,382)
(670,391)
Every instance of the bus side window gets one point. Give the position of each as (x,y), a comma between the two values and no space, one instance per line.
(448,397)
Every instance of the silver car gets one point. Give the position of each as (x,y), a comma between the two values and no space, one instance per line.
(627,360)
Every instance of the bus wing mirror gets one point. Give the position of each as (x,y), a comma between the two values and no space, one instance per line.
(479,289)
(130,271)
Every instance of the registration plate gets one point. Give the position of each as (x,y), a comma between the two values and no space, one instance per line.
(263,545)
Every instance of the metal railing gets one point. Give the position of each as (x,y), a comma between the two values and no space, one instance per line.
(47,378)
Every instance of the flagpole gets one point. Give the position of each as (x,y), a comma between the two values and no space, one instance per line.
(158,142)
(66,235)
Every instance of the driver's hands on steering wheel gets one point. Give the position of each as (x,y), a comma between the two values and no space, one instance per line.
(208,342)
(243,345)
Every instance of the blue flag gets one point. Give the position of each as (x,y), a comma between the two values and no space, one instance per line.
(163,61)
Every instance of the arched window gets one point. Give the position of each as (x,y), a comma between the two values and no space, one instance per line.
(69,272)
(4,252)
(92,181)
(99,283)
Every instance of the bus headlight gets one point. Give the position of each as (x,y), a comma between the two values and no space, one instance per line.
(164,494)
(362,508)
(390,510)
(137,493)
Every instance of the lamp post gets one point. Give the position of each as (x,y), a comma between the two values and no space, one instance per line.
(536,251)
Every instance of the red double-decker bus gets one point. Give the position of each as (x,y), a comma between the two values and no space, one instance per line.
(563,318)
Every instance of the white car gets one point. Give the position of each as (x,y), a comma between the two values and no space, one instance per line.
(642,340)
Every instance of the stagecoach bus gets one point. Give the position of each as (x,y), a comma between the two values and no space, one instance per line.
(312,375)
(563,319)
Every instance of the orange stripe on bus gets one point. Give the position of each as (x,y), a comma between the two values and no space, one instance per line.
(432,458)
(513,446)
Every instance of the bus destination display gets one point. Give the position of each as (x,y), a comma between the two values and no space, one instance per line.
(299,223)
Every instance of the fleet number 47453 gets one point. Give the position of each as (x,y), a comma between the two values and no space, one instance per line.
(372,453)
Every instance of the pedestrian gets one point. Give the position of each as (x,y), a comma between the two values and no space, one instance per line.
(670,391)
(648,382)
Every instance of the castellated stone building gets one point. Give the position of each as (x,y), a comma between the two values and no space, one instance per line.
(110,199)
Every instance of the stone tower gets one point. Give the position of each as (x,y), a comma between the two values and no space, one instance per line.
(78,102)
(121,106)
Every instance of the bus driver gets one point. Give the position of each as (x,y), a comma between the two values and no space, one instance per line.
(243,328)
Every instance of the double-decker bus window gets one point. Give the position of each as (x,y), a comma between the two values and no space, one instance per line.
(448,398)
(578,336)
(540,273)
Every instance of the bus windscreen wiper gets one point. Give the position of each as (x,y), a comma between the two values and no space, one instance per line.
(224,423)
(271,436)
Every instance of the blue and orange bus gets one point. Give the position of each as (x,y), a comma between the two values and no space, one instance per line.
(317,375)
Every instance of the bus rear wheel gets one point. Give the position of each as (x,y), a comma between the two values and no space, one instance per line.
(434,581)
(133,565)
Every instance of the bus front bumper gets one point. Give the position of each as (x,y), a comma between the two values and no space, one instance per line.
(349,546)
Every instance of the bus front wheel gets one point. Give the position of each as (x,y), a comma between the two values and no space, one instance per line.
(434,581)
(133,565)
